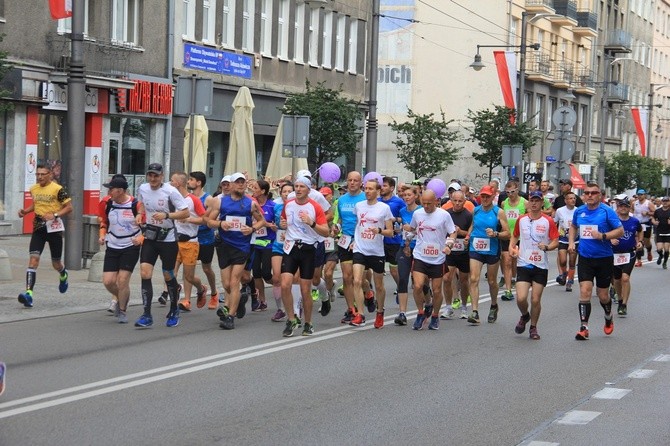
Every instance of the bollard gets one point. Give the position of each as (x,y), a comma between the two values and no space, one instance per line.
(5,267)
(95,271)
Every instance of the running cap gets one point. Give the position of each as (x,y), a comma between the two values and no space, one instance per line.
(306,181)
(326,191)
(486,190)
(237,176)
(623,201)
(641,191)
(156,168)
(225,179)
(454,186)
(535,194)
(117,181)
(304,173)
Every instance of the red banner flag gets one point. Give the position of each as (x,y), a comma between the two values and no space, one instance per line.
(641,120)
(60,9)
(506,66)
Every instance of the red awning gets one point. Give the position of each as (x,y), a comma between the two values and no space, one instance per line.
(577,180)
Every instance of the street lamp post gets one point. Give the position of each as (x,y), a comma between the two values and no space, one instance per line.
(371,136)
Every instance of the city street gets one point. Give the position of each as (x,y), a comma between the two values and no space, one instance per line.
(81,378)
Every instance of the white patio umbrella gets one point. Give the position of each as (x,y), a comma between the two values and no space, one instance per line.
(278,166)
(242,148)
(198,160)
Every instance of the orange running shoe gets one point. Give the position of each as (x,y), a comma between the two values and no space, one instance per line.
(202,297)
(609,327)
(213,301)
(379,320)
(185,305)
(583,333)
(358,320)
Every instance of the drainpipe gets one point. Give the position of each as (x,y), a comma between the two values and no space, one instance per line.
(167,147)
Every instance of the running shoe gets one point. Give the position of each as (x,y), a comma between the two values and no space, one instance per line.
(469,299)
(474,318)
(418,322)
(493,314)
(583,333)
(340,290)
(456,303)
(113,305)
(568,285)
(325,307)
(507,295)
(145,321)
(308,329)
(370,302)
(222,311)
(63,283)
(122,317)
(449,314)
(26,298)
(255,303)
(201,297)
(659,260)
(401,319)
(612,292)
(263,306)
(638,263)
(464,313)
(609,326)
(428,309)
(521,325)
(184,304)
(622,310)
(315,295)
(501,283)
(434,323)
(213,301)
(227,322)
(358,320)
(278,316)
(288,329)
(163,298)
(172,318)
(348,316)
(665,265)
(560,279)
(3,377)
(533,334)
(242,306)
(379,320)
(650,256)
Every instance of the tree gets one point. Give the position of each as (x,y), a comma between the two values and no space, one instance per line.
(493,129)
(425,144)
(4,68)
(333,128)
(626,170)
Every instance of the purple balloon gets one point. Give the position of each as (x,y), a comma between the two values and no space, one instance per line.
(329,172)
(437,186)
(373,176)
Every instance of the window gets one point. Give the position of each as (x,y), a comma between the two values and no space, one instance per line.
(266,27)
(314,37)
(125,21)
(550,112)
(327,39)
(539,112)
(282,29)
(353,45)
(248,25)
(299,38)
(339,42)
(209,21)
(188,19)
(228,32)
(64,25)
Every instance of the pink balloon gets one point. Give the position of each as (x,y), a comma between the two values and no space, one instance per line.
(373,176)
(329,172)
(437,186)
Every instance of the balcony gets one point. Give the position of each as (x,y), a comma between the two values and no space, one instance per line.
(540,6)
(566,11)
(587,24)
(538,67)
(102,58)
(618,41)
(564,74)
(585,81)
(617,93)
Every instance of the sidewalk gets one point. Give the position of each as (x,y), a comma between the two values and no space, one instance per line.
(81,296)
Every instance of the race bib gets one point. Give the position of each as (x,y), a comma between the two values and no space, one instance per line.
(236,222)
(329,244)
(536,256)
(281,235)
(288,245)
(459,245)
(512,214)
(621,258)
(481,244)
(344,241)
(365,235)
(151,220)
(55,225)
(430,251)
(586,231)
(262,232)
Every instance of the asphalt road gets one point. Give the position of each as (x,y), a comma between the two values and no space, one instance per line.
(82,379)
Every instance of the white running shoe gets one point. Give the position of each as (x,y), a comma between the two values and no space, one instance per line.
(464,313)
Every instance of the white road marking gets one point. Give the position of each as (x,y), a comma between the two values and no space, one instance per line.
(642,373)
(542,443)
(662,358)
(578,417)
(611,393)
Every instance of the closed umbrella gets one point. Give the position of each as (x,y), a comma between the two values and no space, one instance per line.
(198,159)
(242,149)
(278,166)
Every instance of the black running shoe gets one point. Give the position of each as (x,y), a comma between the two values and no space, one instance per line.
(227,323)
(325,308)
(242,307)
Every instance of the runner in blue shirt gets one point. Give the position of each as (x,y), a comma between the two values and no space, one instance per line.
(392,244)
(625,252)
(596,224)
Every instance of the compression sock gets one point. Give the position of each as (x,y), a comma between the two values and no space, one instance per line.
(584,312)
(173,291)
(31,277)
(147,295)
(607,307)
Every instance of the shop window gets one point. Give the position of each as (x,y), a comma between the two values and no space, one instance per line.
(50,141)
(128,148)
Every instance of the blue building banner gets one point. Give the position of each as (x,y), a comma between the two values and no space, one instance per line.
(216,61)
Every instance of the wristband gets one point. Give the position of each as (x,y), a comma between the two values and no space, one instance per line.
(313,224)
(604,236)
(380,230)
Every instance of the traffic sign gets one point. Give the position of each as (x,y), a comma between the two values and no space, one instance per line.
(562,149)
(550,159)
(564,118)
(558,171)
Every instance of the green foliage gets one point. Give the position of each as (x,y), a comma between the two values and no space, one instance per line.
(625,170)
(4,68)
(425,145)
(334,129)
(492,129)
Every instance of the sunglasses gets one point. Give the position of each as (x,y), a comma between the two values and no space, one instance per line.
(513,191)
(591,192)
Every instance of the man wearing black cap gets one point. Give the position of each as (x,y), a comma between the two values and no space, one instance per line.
(624,252)
(160,204)
(565,187)
(121,233)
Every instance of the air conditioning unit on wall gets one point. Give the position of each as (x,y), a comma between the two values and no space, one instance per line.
(579,156)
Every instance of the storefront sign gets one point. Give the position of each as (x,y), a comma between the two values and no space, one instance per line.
(93,174)
(147,97)
(56,96)
(215,61)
